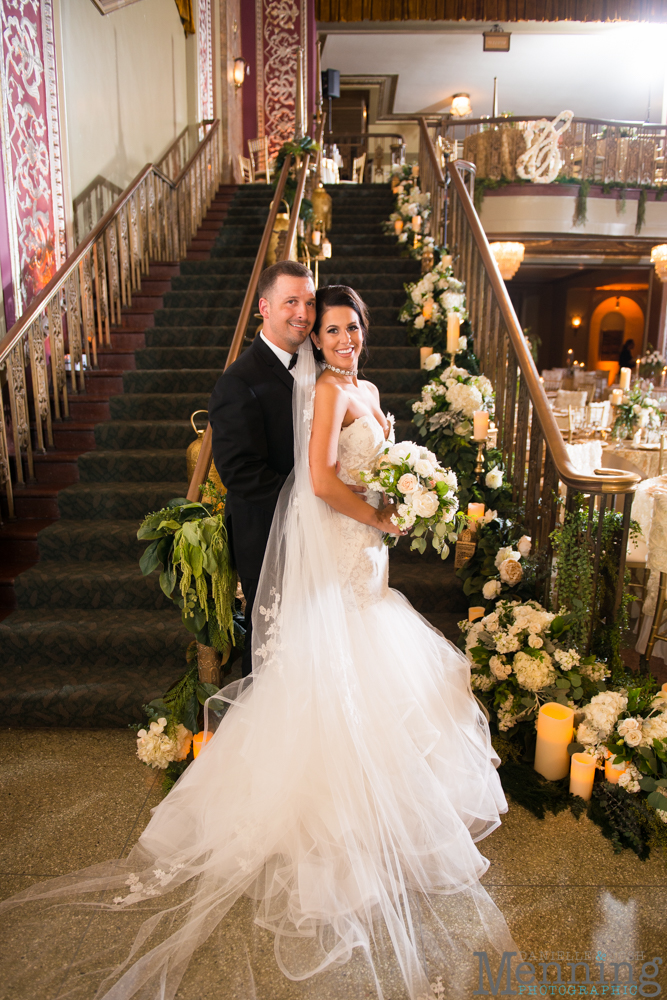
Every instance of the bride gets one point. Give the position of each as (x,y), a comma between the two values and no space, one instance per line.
(344,789)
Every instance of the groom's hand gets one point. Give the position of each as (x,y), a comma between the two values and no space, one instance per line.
(360,489)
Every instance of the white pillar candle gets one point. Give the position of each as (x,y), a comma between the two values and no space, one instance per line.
(453,328)
(475,613)
(616,397)
(555,725)
(424,353)
(662,378)
(613,772)
(316,238)
(480,423)
(582,775)
(398,226)
(416,223)
(476,510)
(624,378)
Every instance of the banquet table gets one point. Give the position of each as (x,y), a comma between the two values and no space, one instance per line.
(647,461)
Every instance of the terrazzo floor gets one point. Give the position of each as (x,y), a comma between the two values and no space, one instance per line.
(71,798)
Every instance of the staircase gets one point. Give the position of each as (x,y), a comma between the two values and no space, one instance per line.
(92,639)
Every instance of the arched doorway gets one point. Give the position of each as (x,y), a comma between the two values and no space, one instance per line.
(615,320)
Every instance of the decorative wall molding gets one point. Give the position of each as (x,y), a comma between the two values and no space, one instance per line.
(281,26)
(109,6)
(31,153)
(205,60)
(385,83)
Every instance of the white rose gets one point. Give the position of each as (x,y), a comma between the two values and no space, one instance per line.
(425,504)
(494,478)
(432,361)
(463,343)
(499,668)
(490,515)
(633,738)
(524,545)
(419,321)
(511,572)
(535,641)
(491,589)
(628,726)
(407,483)
(424,468)
(506,552)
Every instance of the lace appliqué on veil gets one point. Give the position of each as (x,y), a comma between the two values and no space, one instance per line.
(145,890)
(270,648)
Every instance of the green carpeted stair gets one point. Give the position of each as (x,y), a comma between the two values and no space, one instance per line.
(93,639)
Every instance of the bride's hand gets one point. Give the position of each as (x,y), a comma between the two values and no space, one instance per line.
(385,523)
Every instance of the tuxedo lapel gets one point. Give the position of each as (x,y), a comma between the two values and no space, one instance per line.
(274,363)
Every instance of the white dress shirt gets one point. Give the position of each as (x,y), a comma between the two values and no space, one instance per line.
(284,356)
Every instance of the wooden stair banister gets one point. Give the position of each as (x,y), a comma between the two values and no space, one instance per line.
(205,457)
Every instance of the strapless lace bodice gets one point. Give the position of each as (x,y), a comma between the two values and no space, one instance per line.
(362,556)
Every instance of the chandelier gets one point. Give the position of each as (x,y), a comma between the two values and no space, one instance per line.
(659,258)
(508,258)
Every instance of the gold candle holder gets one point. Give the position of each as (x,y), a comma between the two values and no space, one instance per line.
(479,465)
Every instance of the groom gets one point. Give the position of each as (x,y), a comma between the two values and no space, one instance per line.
(250,412)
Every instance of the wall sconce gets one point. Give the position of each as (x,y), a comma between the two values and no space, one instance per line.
(508,258)
(576,322)
(497,40)
(659,259)
(240,71)
(461,106)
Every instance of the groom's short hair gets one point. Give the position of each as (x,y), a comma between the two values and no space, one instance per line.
(290,268)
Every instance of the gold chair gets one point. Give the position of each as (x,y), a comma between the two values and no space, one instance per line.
(358,167)
(259,158)
(247,174)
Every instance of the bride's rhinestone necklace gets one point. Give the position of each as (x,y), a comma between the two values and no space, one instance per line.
(342,371)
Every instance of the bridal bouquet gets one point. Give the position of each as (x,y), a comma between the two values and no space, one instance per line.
(424,492)
(429,301)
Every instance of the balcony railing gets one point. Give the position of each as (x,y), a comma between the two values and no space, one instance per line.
(155,218)
(597,150)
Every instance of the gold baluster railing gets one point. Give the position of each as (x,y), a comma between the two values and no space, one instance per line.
(205,456)
(155,218)
(533,450)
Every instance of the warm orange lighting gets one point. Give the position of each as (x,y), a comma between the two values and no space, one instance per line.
(576,321)
(461,106)
(240,70)
(198,743)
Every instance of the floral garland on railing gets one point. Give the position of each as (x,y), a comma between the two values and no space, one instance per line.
(410,220)
(430,301)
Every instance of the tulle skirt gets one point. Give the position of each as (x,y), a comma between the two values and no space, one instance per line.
(337,809)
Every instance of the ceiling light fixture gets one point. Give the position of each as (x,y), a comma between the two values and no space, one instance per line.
(461,106)
(659,260)
(508,258)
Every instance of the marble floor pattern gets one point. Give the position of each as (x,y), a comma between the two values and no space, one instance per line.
(71,798)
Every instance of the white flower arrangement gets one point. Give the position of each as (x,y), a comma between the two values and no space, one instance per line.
(519,649)
(430,300)
(425,493)
(411,203)
(651,363)
(163,743)
(449,400)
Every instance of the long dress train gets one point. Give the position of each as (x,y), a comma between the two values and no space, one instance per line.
(344,792)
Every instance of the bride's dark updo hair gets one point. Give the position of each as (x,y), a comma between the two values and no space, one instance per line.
(331,296)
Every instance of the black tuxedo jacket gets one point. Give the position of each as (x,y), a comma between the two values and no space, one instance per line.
(250,412)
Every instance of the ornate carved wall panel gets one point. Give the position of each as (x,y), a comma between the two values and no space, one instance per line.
(205,46)
(281,26)
(31,146)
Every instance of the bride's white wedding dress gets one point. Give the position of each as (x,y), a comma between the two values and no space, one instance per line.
(344,790)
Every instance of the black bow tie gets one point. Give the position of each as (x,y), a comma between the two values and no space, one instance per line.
(292,364)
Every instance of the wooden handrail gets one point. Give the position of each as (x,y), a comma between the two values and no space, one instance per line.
(614,482)
(430,149)
(205,457)
(503,120)
(20,327)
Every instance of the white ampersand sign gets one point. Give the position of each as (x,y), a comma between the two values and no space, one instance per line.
(542,161)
